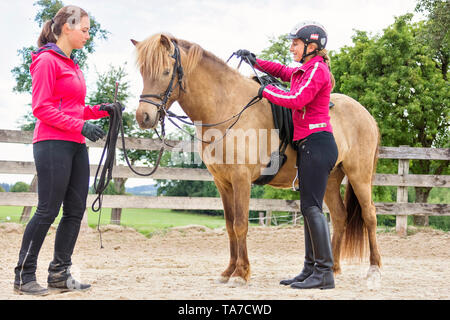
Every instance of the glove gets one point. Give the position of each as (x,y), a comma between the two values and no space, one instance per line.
(92,131)
(260,91)
(109,107)
(247,56)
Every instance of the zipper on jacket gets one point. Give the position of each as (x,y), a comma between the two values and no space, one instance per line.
(304,112)
(60,104)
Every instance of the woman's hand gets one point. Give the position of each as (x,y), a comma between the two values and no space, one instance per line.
(109,107)
(247,56)
(92,131)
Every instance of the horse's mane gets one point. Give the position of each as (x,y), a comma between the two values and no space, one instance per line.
(153,60)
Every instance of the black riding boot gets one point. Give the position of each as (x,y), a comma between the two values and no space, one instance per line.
(322,276)
(308,265)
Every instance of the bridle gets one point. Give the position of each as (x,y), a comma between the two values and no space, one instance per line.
(164,97)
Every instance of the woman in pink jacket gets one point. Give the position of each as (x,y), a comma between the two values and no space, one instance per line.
(59,149)
(309,98)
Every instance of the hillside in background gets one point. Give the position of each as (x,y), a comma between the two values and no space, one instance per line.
(147,190)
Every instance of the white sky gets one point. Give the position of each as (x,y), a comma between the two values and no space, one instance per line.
(219,26)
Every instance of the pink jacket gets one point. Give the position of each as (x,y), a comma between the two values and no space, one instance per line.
(309,95)
(58,93)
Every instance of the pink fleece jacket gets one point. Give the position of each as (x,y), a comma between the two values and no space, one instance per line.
(309,95)
(58,94)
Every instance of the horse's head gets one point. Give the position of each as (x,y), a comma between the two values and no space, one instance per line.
(159,61)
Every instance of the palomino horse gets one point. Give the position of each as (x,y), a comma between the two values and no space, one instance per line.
(209,91)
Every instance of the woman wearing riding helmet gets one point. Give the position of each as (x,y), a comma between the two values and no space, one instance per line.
(309,98)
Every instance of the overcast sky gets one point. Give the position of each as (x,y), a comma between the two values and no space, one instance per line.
(219,26)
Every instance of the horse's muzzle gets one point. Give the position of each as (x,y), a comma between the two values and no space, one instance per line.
(147,120)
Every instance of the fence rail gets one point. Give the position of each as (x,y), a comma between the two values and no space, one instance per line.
(402,181)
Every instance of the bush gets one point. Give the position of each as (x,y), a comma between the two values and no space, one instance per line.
(20,187)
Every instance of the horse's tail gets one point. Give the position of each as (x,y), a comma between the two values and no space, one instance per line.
(355,239)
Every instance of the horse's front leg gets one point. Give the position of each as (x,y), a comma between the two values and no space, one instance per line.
(226,194)
(241,191)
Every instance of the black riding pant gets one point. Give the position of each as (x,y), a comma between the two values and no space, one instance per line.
(63,178)
(316,157)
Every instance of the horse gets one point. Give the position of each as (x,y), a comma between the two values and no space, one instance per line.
(210,91)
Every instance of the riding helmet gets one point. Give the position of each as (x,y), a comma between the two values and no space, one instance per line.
(308,32)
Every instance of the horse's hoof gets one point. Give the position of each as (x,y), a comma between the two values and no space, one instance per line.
(373,278)
(237,282)
(222,279)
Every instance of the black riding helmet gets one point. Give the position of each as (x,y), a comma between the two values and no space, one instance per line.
(309,32)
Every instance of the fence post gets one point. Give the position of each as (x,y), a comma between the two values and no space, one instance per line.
(294,218)
(401,221)
(27,210)
(261,218)
(268,218)
(116,213)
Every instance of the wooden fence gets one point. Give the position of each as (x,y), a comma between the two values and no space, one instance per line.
(401,209)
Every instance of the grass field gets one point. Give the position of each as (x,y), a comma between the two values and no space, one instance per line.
(146,221)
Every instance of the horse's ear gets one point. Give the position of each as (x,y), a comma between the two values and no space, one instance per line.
(165,41)
(135,43)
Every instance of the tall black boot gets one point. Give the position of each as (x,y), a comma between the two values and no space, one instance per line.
(308,265)
(322,276)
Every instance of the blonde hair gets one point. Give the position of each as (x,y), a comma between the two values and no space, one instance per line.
(324,53)
(153,55)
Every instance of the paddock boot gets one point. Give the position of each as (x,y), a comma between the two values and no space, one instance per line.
(30,288)
(322,276)
(308,265)
(64,282)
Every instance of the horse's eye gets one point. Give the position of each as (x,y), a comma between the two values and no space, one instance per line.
(166,72)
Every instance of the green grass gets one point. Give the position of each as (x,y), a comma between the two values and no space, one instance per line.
(146,221)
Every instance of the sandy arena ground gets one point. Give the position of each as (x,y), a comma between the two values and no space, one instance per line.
(184,263)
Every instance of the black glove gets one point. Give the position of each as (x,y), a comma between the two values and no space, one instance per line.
(92,132)
(247,56)
(109,107)
(260,91)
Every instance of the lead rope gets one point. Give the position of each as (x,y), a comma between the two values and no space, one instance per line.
(106,174)
(100,184)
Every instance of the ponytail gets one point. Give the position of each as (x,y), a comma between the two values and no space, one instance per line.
(324,53)
(47,35)
(52,28)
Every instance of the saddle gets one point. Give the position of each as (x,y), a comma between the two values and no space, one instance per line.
(282,120)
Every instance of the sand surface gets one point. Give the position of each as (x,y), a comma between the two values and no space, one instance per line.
(185,263)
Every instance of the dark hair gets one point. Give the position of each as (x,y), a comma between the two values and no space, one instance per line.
(52,28)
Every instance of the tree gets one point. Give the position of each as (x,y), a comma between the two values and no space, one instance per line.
(278,51)
(436,30)
(396,77)
(20,187)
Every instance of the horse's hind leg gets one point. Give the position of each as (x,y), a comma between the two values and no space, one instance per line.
(362,187)
(226,194)
(338,214)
